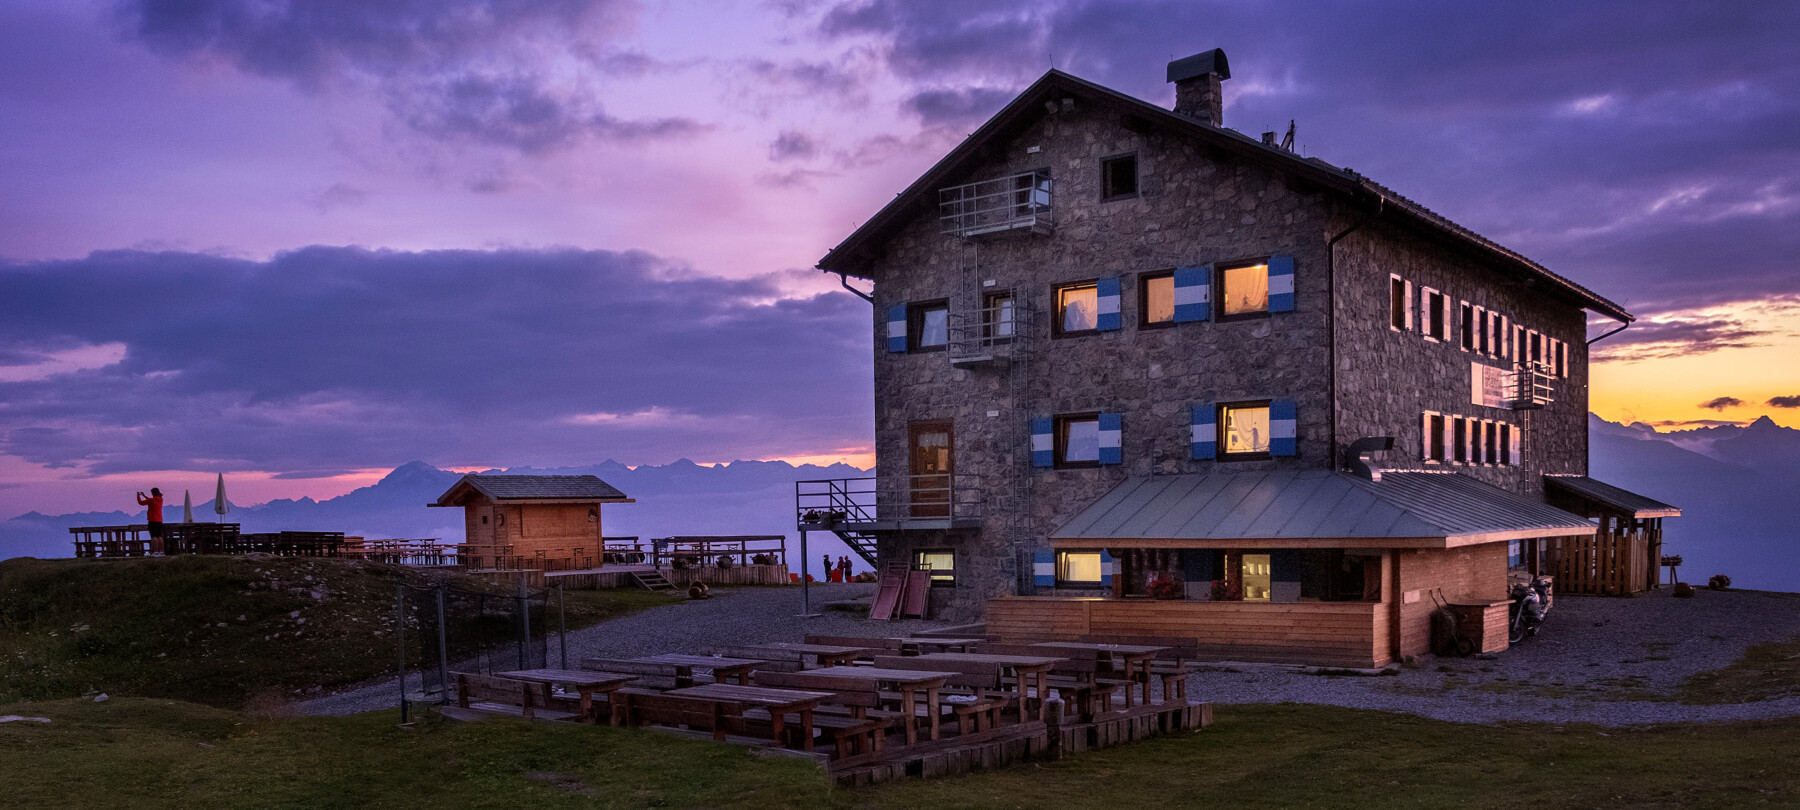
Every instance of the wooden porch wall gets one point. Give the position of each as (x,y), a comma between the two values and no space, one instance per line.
(1615,561)
(1470,573)
(1343,634)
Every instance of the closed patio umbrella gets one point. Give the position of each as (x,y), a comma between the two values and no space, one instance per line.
(220,505)
(187,506)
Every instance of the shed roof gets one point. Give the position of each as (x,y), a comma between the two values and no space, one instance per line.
(1403,509)
(1638,506)
(852,255)
(582,488)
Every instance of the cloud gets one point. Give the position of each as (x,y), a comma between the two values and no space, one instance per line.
(1721,403)
(1785,402)
(1681,334)
(332,358)
(792,145)
(491,71)
(961,107)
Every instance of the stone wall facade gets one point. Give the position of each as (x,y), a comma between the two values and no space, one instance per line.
(1196,205)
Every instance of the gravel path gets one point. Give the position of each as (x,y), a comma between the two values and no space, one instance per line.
(1614,662)
(740,616)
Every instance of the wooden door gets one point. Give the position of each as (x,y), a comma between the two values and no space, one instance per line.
(933,465)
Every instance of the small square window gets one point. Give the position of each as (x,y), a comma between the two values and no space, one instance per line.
(940,562)
(928,326)
(1156,299)
(1243,290)
(1077,308)
(1245,428)
(1078,568)
(1078,440)
(1119,177)
(997,317)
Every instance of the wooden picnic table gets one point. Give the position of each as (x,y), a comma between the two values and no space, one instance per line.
(1134,654)
(780,702)
(829,655)
(911,683)
(942,644)
(738,669)
(585,682)
(1026,668)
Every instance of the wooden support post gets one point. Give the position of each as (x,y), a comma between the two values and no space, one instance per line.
(1053,721)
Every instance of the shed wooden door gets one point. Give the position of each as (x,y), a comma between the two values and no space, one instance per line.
(933,463)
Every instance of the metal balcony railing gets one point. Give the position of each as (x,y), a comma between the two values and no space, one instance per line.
(990,332)
(1000,204)
(1531,386)
(840,501)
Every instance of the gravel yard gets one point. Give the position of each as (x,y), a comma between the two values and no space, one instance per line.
(1616,662)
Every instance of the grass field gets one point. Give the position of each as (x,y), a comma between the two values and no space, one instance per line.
(221,630)
(158,753)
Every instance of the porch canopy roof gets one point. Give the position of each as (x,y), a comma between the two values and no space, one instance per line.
(1320,507)
(530,489)
(1622,500)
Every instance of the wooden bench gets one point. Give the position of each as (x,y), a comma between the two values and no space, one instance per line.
(782,660)
(1171,667)
(853,720)
(494,693)
(983,712)
(1082,679)
(891,644)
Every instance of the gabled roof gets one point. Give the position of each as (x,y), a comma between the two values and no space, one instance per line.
(572,488)
(852,254)
(1638,506)
(1403,509)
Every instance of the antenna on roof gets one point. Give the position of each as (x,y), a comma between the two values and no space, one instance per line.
(1287,141)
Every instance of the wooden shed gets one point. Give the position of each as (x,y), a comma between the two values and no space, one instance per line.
(539,522)
(1624,554)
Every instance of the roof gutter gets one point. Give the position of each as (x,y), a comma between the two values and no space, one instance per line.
(844,279)
(1623,324)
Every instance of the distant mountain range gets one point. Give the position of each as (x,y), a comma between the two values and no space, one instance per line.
(679,498)
(1737,487)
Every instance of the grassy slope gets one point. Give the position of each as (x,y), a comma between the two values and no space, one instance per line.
(218,630)
(153,753)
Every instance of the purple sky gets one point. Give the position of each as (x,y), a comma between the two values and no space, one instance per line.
(298,241)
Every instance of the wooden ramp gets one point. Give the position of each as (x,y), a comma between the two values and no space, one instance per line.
(893,587)
(914,598)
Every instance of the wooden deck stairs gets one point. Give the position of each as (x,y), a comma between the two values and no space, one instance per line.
(653,581)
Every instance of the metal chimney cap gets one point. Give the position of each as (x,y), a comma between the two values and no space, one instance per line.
(1200,64)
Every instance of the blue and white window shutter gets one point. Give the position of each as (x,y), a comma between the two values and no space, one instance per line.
(1281,284)
(1112,446)
(896,328)
(1193,294)
(1107,569)
(1043,568)
(1106,294)
(1284,429)
(1043,442)
(1205,421)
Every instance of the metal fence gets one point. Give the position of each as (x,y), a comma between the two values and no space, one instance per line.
(446,629)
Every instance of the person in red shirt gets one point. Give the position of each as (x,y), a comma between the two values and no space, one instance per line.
(153,505)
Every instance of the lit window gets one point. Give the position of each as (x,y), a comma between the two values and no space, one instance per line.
(1078,440)
(1077,308)
(1244,290)
(1156,294)
(1246,429)
(928,326)
(1255,570)
(1078,568)
(1118,177)
(941,563)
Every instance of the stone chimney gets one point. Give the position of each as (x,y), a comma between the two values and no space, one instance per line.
(1197,93)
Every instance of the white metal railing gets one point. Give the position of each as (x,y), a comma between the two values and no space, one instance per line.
(991,330)
(1531,386)
(1001,204)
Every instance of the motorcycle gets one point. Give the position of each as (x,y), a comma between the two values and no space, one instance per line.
(1530,603)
